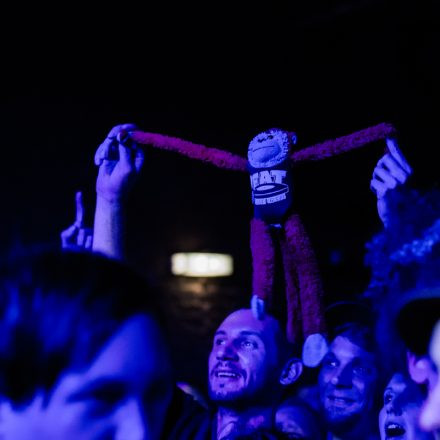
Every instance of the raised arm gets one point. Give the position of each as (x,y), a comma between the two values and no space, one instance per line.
(391,171)
(119,160)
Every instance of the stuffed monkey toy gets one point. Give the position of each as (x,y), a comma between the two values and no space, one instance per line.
(270,164)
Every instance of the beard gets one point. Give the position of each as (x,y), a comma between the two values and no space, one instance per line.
(342,423)
(239,399)
(342,407)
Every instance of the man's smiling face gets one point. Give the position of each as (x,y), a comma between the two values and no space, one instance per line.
(346,382)
(244,360)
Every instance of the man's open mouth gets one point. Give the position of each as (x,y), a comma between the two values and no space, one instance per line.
(341,400)
(393,430)
(227,374)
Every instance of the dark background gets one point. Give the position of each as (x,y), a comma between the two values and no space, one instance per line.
(216,76)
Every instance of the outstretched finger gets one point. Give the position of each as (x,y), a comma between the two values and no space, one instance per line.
(79,219)
(397,154)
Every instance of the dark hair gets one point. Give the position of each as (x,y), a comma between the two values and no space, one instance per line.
(298,402)
(358,333)
(356,315)
(416,319)
(56,311)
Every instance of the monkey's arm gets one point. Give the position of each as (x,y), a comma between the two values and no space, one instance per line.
(219,158)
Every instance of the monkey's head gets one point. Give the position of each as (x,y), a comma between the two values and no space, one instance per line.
(270,148)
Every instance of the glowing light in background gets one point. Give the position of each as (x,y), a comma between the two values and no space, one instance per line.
(200,264)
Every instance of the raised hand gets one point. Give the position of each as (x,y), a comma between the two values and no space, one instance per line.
(391,171)
(120,161)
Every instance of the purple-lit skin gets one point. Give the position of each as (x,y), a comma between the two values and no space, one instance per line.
(297,422)
(244,360)
(430,416)
(123,394)
(391,171)
(346,382)
(117,174)
(399,417)
(77,236)
(120,162)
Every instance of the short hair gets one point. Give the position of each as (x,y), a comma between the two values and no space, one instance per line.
(359,334)
(314,414)
(353,319)
(299,402)
(57,310)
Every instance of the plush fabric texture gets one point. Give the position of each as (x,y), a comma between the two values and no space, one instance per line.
(219,158)
(344,144)
(309,280)
(263,259)
(304,294)
(229,161)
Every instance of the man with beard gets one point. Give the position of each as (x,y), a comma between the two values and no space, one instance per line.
(248,365)
(348,379)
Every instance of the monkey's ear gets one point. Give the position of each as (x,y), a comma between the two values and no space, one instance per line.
(315,347)
(292,138)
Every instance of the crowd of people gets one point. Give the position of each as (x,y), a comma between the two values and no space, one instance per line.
(84,348)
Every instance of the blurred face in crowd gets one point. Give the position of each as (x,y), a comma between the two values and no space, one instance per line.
(243,362)
(123,394)
(346,383)
(399,417)
(297,422)
(430,416)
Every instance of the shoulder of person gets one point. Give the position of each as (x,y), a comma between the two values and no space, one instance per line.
(188,419)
